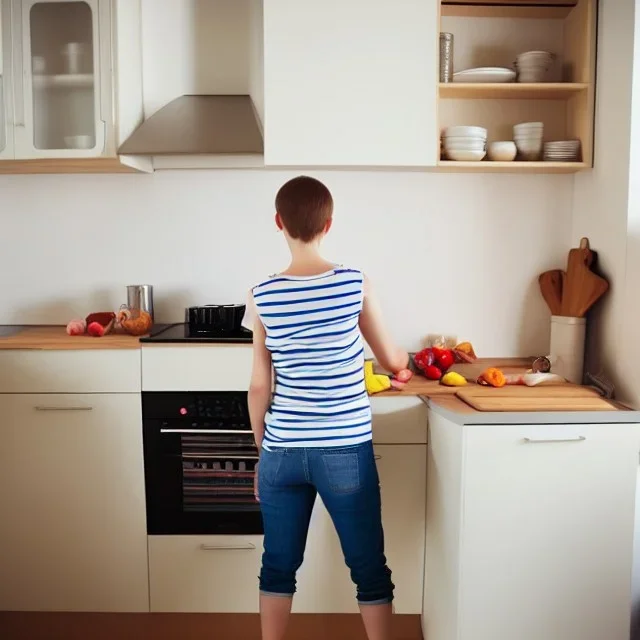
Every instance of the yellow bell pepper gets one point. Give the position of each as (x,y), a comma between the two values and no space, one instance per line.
(375,383)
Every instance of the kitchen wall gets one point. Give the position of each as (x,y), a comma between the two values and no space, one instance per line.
(601,197)
(607,210)
(448,253)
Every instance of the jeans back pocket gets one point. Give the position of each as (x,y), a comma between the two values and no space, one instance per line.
(270,463)
(343,472)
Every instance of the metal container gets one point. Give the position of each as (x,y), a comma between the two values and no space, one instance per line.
(446,57)
(140,296)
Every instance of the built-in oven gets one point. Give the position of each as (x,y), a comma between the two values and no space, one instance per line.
(200,461)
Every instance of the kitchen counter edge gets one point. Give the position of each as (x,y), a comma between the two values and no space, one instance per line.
(460,413)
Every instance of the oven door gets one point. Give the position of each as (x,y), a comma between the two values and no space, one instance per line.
(200,461)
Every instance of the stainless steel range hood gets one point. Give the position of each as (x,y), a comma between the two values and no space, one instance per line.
(199,132)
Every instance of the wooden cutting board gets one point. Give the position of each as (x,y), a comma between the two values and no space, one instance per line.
(551,287)
(565,397)
(582,288)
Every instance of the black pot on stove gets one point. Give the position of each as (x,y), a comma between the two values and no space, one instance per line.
(215,318)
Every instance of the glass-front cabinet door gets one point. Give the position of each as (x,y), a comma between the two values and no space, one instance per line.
(57,107)
(6,97)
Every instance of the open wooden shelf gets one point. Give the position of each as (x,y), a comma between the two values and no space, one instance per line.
(486,166)
(511,90)
(482,38)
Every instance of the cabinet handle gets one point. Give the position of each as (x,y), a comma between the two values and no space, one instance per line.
(553,440)
(377,457)
(63,408)
(241,546)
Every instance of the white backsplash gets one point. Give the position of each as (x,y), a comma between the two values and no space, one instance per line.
(454,254)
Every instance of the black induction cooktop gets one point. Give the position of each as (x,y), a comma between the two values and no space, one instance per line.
(181,333)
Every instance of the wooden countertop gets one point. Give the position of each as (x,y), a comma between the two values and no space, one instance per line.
(420,386)
(56,339)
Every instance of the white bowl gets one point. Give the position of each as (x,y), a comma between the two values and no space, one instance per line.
(536,55)
(465,131)
(528,139)
(523,126)
(464,138)
(529,146)
(460,155)
(465,143)
(79,142)
(503,151)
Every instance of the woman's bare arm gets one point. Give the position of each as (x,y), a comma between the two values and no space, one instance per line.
(260,387)
(388,354)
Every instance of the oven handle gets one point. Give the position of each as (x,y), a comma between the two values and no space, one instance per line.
(54,408)
(214,431)
(213,456)
(246,546)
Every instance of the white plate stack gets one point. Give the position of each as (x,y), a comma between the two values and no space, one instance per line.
(465,144)
(562,151)
(528,139)
(533,66)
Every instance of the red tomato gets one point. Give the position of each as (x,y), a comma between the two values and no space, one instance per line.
(423,358)
(438,351)
(404,376)
(445,359)
(432,372)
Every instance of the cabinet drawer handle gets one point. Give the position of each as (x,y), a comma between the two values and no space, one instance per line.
(553,440)
(241,546)
(45,408)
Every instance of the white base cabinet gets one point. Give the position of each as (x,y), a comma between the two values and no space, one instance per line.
(73,530)
(324,584)
(219,574)
(530,531)
(206,574)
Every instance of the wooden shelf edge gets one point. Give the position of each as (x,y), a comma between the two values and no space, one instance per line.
(510,90)
(486,166)
(493,10)
(64,165)
(514,3)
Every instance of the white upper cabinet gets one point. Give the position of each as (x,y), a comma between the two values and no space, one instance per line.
(350,83)
(6,119)
(61,56)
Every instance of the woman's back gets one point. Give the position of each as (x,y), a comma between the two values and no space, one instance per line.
(317,351)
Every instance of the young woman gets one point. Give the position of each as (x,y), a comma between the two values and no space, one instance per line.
(313,428)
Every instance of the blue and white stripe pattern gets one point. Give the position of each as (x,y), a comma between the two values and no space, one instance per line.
(317,350)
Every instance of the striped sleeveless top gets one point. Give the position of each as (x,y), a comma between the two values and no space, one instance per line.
(317,351)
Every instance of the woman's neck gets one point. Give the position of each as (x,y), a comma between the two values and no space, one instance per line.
(306,259)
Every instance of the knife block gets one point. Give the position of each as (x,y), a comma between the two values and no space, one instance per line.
(566,351)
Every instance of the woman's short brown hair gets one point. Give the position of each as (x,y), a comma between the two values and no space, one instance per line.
(305,206)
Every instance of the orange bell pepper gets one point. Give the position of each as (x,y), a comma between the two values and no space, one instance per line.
(492,377)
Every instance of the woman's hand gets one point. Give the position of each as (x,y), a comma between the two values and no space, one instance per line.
(255,483)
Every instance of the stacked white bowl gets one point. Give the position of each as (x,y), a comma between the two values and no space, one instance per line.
(562,151)
(465,144)
(528,139)
(533,66)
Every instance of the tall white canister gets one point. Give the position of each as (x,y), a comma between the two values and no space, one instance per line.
(567,347)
